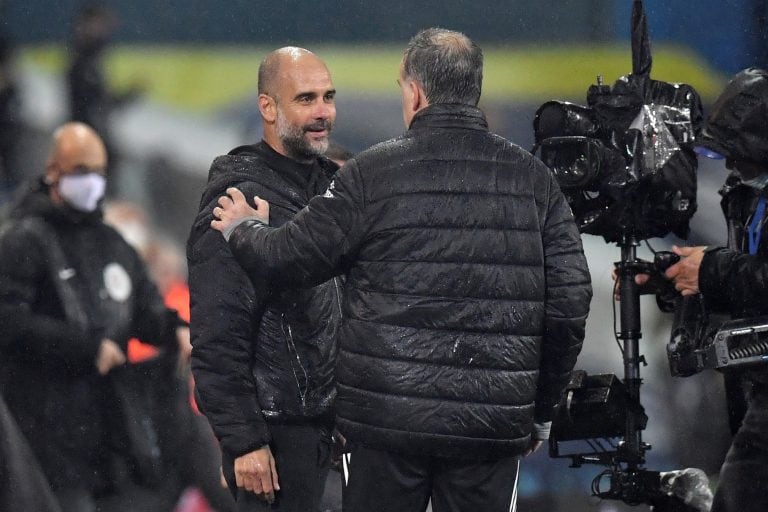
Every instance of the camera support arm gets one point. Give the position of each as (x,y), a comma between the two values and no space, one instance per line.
(633,449)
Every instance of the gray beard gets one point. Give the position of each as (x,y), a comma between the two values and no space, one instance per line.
(295,142)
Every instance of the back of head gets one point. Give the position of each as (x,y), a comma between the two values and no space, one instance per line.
(447,64)
(737,125)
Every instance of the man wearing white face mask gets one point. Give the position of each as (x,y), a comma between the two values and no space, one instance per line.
(76,167)
(72,292)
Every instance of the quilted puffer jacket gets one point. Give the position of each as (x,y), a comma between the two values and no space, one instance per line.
(466,294)
(261,354)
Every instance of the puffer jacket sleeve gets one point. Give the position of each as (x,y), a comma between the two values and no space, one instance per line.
(313,247)
(733,281)
(568,294)
(23,274)
(224,312)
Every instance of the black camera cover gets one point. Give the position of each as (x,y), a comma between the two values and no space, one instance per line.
(642,180)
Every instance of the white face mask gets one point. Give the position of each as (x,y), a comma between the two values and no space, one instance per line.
(83,191)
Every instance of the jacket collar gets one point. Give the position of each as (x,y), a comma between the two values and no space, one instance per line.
(450,115)
(260,164)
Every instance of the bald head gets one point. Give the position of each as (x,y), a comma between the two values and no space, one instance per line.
(76,146)
(296,102)
(278,65)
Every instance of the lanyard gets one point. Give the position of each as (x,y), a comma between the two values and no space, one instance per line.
(754,231)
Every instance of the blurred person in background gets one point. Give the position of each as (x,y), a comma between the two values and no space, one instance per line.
(22,483)
(72,292)
(10,120)
(198,463)
(91,99)
(165,263)
(264,357)
(465,299)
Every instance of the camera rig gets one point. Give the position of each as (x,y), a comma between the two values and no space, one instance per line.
(734,345)
(627,168)
(606,412)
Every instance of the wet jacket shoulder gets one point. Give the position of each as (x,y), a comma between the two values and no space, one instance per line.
(467,289)
(261,353)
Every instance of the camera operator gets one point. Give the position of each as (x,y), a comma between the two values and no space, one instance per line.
(734,279)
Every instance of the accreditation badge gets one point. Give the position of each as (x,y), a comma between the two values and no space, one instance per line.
(117,282)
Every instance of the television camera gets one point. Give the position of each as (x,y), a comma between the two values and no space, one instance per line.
(626,165)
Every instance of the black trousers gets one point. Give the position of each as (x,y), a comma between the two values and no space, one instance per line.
(381,481)
(744,475)
(302,458)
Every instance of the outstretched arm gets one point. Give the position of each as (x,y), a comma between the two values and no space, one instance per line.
(316,245)
(233,210)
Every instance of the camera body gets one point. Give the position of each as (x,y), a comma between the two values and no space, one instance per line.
(625,160)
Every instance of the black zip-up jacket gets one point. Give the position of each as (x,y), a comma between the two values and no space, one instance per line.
(731,280)
(67,280)
(260,355)
(467,289)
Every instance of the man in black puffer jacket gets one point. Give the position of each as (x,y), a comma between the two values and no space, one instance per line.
(263,357)
(466,295)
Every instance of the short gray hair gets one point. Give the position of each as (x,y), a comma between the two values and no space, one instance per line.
(447,65)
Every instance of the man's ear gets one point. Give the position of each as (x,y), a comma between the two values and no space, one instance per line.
(416,96)
(268,108)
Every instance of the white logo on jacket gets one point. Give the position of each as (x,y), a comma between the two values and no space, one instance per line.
(117,282)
